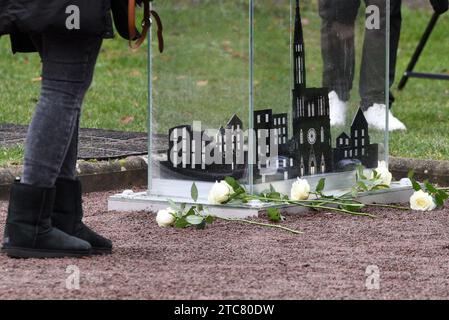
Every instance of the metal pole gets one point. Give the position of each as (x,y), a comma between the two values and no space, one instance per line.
(251,146)
(387,82)
(149,110)
(419,50)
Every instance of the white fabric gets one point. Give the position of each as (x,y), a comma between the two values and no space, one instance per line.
(375,116)
(337,109)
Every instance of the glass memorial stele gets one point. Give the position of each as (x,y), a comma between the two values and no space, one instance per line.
(266,92)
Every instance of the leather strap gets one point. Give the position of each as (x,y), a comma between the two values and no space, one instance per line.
(135,41)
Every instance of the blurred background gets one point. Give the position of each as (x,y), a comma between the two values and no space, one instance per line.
(118,97)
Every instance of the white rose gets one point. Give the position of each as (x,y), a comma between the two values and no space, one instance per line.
(127,192)
(300,190)
(384,173)
(220,193)
(229,186)
(422,201)
(165,217)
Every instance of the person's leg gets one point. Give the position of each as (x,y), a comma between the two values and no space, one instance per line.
(68,168)
(67,211)
(68,208)
(68,65)
(338,53)
(395,33)
(52,142)
(372,75)
(29,230)
(372,72)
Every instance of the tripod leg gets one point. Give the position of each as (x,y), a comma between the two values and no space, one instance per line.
(419,50)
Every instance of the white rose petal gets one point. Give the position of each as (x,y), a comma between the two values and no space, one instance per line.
(128,192)
(422,201)
(384,173)
(165,217)
(220,193)
(229,186)
(300,190)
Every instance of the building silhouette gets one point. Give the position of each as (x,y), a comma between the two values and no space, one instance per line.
(356,147)
(308,152)
(312,145)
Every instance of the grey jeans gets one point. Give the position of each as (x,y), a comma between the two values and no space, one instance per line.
(338,49)
(51,148)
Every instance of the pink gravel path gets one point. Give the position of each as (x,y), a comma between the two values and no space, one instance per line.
(235,261)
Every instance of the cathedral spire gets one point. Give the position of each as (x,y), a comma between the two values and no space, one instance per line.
(298,52)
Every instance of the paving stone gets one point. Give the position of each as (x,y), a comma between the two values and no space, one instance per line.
(94,143)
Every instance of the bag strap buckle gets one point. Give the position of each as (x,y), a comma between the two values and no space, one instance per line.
(135,40)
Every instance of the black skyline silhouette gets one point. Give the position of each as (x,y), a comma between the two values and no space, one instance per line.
(308,152)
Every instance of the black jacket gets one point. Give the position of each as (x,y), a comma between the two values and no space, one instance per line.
(20,18)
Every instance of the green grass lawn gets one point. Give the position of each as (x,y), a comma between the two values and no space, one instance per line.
(203,75)
(423,104)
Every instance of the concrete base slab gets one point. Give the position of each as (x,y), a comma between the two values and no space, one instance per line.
(128,202)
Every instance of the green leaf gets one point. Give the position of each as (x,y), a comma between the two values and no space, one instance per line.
(320,186)
(238,189)
(181,223)
(194,192)
(416,186)
(274,214)
(173,205)
(233,183)
(353,207)
(440,195)
(190,212)
(194,220)
(439,201)
(210,219)
(362,185)
(274,195)
(411,174)
(443,194)
(272,189)
(376,175)
(430,187)
(360,174)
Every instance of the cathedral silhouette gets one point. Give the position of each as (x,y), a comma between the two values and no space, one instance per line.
(312,143)
(308,152)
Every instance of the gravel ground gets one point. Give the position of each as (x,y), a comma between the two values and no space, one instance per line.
(235,261)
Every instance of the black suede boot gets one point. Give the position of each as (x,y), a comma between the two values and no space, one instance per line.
(68,214)
(28,230)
